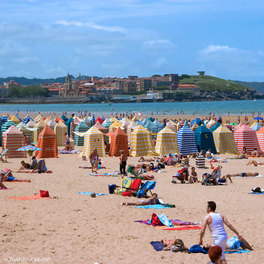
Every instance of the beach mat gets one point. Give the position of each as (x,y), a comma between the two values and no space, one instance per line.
(89,193)
(177,225)
(155,206)
(31,197)
(157,245)
(237,251)
(258,176)
(7,189)
(19,180)
(68,152)
(259,193)
(103,174)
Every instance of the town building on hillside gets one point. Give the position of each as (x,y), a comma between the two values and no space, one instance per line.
(189,88)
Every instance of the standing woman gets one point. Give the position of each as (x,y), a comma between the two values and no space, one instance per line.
(123,162)
(94,160)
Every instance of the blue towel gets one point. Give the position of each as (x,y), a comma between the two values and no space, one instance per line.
(238,251)
(153,206)
(89,193)
(256,193)
(197,249)
(157,245)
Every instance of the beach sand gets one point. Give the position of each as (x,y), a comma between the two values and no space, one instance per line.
(80,229)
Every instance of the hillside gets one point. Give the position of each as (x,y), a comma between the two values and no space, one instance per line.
(258,86)
(209,83)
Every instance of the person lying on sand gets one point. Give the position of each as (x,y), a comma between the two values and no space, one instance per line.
(243,174)
(174,242)
(152,200)
(142,159)
(24,167)
(255,163)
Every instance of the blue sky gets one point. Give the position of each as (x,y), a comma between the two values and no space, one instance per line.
(132,37)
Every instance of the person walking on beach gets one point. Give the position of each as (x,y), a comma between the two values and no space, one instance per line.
(216,222)
(123,162)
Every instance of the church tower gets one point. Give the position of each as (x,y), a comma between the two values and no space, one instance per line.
(68,82)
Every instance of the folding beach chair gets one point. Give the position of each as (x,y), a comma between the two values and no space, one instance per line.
(3,156)
(125,185)
(133,189)
(148,186)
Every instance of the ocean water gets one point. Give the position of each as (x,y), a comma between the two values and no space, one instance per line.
(161,108)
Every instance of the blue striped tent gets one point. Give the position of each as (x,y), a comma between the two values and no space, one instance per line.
(198,121)
(68,123)
(158,124)
(5,126)
(27,119)
(257,126)
(150,126)
(204,139)
(186,140)
(82,127)
(92,120)
(215,126)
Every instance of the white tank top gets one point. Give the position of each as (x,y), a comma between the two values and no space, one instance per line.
(217,227)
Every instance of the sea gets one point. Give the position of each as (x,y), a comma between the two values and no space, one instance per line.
(245,107)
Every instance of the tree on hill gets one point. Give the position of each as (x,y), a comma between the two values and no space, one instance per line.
(26,91)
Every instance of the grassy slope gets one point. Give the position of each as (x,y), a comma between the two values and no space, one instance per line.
(210,83)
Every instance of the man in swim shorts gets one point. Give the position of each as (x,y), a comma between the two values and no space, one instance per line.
(216,222)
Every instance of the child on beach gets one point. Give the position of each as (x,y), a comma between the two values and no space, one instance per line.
(123,161)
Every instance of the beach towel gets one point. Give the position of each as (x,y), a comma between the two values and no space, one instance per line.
(145,177)
(91,167)
(31,197)
(176,225)
(7,189)
(162,219)
(258,176)
(157,245)
(104,174)
(155,206)
(89,193)
(197,249)
(19,180)
(68,152)
(259,193)
(237,251)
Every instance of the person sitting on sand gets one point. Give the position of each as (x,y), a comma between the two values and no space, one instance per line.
(255,153)
(34,163)
(2,186)
(208,154)
(94,160)
(67,143)
(243,154)
(24,166)
(182,175)
(151,200)
(170,160)
(193,176)
(255,163)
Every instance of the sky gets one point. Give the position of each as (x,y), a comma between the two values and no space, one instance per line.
(49,38)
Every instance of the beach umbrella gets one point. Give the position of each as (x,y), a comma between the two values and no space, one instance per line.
(258,118)
(29,148)
(233,124)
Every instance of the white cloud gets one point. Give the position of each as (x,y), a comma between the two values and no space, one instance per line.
(159,63)
(158,42)
(91,25)
(210,49)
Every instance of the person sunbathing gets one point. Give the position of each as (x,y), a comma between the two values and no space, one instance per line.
(255,163)
(152,200)
(175,242)
(142,159)
(24,167)
(243,174)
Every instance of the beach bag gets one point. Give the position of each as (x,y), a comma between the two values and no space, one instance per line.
(44,193)
(155,220)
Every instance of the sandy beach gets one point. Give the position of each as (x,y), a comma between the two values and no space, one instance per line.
(80,229)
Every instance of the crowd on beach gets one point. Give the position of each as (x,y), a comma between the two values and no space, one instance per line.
(184,174)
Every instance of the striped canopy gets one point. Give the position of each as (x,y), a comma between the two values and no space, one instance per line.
(186,140)
(260,136)
(166,142)
(246,137)
(93,139)
(82,127)
(60,129)
(204,139)
(140,143)
(224,141)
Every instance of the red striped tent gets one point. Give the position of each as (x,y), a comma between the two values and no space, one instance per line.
(260,136)
(246,137)
(14,139)
(119,142)
(47,142)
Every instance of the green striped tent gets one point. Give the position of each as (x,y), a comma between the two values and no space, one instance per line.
(82,127)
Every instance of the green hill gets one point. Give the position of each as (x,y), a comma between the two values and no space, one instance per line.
(209,84)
